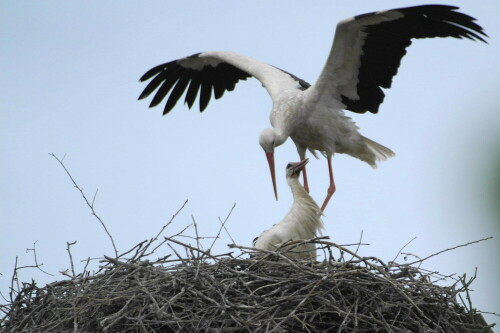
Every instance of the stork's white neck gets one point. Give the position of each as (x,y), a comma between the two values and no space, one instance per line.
(305,213)
(297,189)
(284,113)
(279,138)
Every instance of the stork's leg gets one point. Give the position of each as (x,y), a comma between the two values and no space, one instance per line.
(306,185)
(331,188)
(302,154)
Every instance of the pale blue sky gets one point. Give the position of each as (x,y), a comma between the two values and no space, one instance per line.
(69,85)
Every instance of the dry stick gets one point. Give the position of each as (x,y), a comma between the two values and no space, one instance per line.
(115,317)
(68,245)
(13,279)
(466,285)
(359,243)
(77,298)
(225,220)
(353,244)
(36,260)
(290,245)
(86,265)
(91,205)
(190,247)
(5,299)
(152,240)
(198,245)
(300,304)
(137,246)
(223,225)
(290,261)
(161,243)
(449,249)
(400,250)
(171,219)
(385,274)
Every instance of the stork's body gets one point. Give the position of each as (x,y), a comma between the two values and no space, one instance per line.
(319,127)
(366,53)
(301,223)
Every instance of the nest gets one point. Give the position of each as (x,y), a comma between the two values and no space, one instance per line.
(195,291)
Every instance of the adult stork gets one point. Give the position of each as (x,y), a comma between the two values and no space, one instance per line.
(302,221)
(366,53)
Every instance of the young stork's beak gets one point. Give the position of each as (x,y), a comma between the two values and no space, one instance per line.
(299,166)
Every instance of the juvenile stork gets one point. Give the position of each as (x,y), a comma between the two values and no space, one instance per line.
(366,53)
(302,221)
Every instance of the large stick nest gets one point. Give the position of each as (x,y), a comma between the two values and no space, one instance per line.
(261,292)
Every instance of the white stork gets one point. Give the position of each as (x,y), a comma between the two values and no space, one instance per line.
(302,221)
(366,53)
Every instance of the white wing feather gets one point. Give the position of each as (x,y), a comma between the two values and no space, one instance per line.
(275,81)
(340,73)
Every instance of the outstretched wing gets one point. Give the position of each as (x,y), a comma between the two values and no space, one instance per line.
(211,71)
(367,50)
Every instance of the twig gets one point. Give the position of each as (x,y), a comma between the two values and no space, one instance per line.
(198,245)
(359,243)
(12,280)
(152,240)
(37,265)
(90,205)
(401,249)
(449,249)
(223,225)
(186,246)
(68,248)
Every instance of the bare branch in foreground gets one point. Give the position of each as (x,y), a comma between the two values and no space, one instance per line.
(223,225)
(68,248)
(449,249)
(37,265)
(90,205)
(141,252)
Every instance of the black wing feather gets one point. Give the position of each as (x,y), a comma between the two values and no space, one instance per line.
(386,43)
(219,78)
(155,83)
(179,89)
(155,70)
(219,85)
(206,88)
(169,82)
(193,89)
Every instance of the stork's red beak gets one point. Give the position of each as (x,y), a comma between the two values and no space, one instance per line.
(270,160)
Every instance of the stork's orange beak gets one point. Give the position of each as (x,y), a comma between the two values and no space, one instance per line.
(270,160)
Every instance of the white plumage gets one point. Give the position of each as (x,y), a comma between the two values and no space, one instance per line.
(365,55)
(302,221)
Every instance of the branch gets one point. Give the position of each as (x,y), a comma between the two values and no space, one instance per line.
(223,225)
(449,249)
(37,265)
(68,248)
(91,205)
(141,252)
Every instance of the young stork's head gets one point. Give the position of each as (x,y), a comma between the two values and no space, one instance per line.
(293,169)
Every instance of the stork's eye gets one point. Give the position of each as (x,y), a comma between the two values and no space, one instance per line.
(289,165)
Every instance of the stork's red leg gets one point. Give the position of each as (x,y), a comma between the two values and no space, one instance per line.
(331,188)
(306,185)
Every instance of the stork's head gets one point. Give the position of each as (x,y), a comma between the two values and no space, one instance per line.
(293,169)
(268,140)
